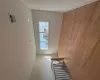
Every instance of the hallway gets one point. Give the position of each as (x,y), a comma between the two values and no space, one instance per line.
(42,69)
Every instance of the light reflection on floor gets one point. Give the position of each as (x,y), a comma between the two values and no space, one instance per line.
(47,57)
(42,69)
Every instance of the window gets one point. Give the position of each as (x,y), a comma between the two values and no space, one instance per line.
(43,34)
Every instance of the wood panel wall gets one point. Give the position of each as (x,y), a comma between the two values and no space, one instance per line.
(80,42)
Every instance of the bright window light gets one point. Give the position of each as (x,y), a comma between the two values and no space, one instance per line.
(43,34)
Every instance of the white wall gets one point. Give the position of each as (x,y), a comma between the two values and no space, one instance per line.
(17,44)
(55,20)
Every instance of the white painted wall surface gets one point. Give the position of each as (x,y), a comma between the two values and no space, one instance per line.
(17,44)
(55,20)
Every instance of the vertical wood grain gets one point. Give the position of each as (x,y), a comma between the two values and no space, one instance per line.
(80,41)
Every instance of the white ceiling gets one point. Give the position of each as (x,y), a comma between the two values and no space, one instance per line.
(56,5)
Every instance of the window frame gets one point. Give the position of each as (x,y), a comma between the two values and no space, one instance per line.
(43,32)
